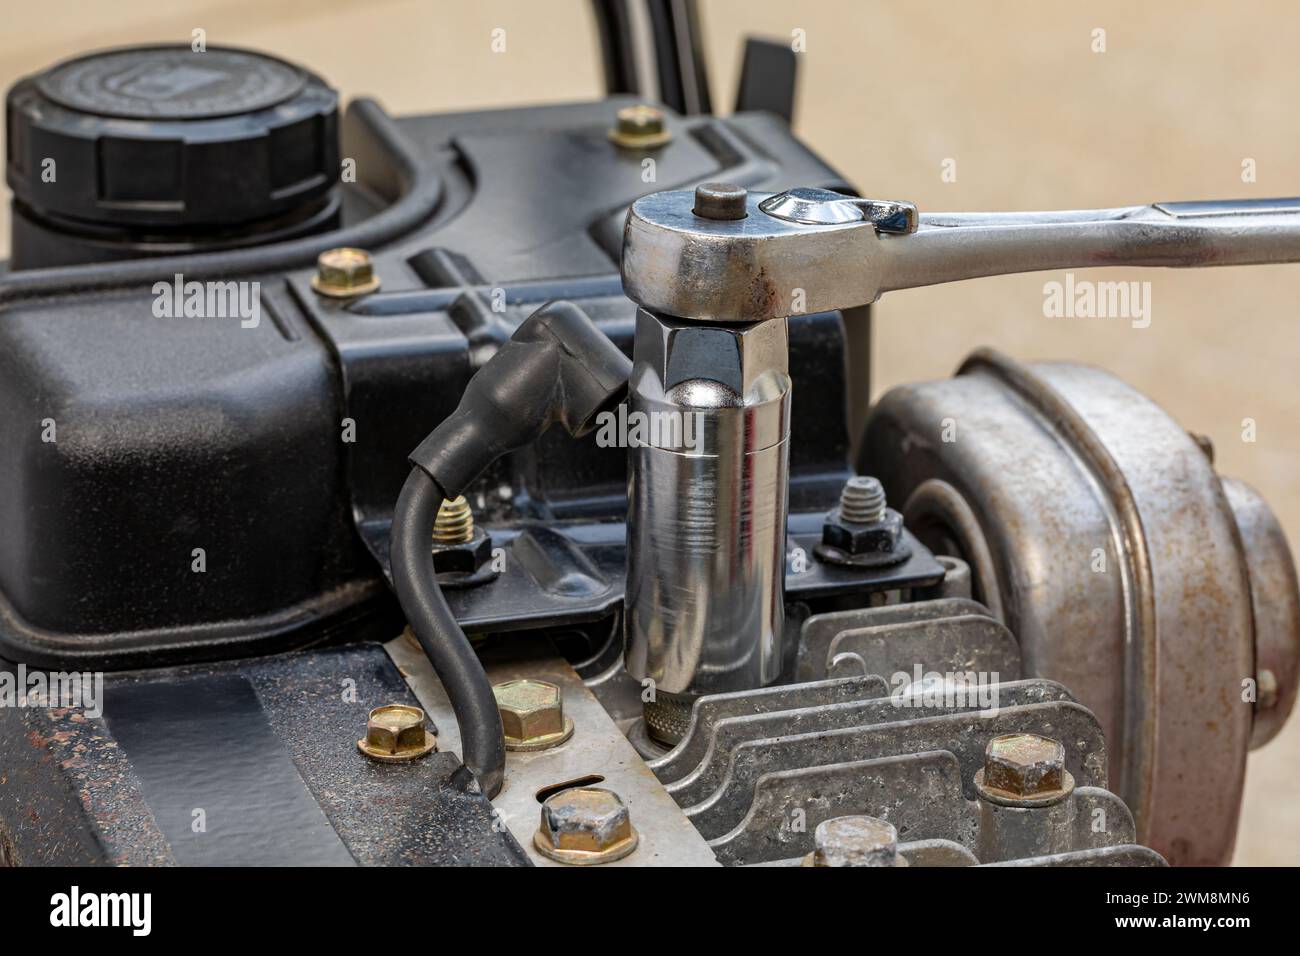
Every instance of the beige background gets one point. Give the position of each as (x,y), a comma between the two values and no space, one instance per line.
(1011,90)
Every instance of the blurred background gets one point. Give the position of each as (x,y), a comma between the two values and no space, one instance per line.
(1011,94)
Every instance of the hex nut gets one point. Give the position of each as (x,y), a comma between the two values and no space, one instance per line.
(344,272)
(532,715)
(395,733)
(853,538)
(855,841)
(585,826)
(863,545)
(465,557)
(1024,767)
(744,361)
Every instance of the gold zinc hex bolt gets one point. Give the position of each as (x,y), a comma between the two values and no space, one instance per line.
(532,715)
(343,273)
(640,127)
(396,733)
(584,826)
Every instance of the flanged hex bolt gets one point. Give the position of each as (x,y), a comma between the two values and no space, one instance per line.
(344,272)
(855,841)
(1025,805)
(532,714)
(1024,766)
(585,825)
(396,733)
(640,127)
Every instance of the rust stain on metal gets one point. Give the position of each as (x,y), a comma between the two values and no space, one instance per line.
(763,295)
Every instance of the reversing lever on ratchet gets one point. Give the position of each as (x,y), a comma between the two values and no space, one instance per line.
(824,250)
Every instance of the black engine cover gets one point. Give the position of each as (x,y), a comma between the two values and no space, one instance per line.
(140,445)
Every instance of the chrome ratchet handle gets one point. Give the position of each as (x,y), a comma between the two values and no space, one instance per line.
(955,246)
(812,250)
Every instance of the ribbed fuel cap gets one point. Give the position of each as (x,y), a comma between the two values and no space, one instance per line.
(167,136)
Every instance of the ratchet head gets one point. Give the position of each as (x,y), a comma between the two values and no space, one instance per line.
(721,254)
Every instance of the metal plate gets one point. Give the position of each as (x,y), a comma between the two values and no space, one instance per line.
(597,748)
(920,794)
(965,734)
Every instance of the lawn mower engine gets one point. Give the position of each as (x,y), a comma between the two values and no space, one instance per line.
(276,389)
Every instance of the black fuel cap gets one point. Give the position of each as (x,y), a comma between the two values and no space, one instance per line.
(164,136)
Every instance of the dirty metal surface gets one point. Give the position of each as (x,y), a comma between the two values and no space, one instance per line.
(950,645)
(1147,617)
(1101,819)
(1127,855)
(1275,603)
(596,749)
(820,630)
(920,794)
(242,800)
(918,853)
(964,734)
(937,853)
(68,794)
(727,735)
(708,711)
(429,812)
(266,748)
(1192,630)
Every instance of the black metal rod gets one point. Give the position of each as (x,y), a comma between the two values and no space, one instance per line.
(663,43)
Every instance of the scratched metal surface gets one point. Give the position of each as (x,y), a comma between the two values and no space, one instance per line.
(266,748)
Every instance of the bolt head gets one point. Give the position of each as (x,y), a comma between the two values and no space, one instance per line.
(721,201)
(396,732)
(640,126)
(585,825)
(344,272)
(640,120)
(532,714)
(1024,765)
(855,841)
